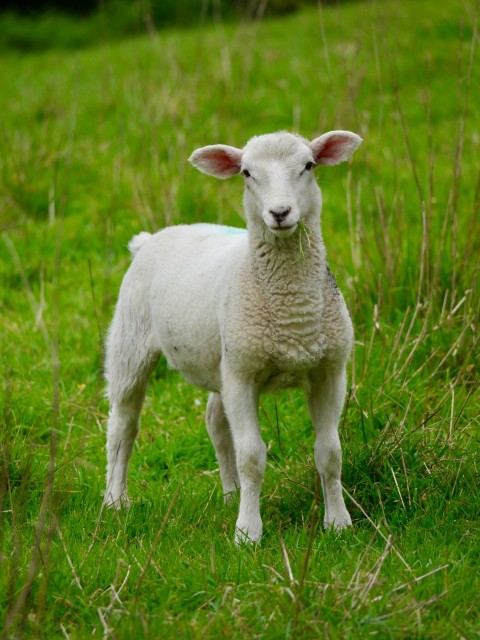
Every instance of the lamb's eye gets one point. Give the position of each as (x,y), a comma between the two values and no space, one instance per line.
(308,166)
(246,173)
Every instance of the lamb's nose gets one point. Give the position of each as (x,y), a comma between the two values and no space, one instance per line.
(280,213)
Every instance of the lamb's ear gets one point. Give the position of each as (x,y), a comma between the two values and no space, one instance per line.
(218,160)
(334,147)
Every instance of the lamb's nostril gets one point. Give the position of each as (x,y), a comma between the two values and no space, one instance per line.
(280,213)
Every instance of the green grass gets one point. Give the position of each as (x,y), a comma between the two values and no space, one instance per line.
(93,149)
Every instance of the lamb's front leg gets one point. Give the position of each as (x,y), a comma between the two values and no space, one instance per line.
(325,402)
(241,406)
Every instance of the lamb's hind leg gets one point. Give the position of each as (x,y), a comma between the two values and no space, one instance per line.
(221,436)
(128,367)
(325,402)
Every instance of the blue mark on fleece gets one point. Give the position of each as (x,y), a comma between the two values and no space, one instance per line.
(231,231)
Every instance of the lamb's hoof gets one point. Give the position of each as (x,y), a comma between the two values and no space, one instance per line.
(229,495)
(248,534)
(122,502)
(337,522)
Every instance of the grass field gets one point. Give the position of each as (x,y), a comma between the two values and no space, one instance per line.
(94,147)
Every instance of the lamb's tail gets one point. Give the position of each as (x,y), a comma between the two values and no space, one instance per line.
(137,242)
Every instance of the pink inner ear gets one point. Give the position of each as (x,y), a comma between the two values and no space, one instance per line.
(334,149)
(223,162)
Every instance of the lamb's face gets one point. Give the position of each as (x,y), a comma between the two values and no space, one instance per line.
(280,189)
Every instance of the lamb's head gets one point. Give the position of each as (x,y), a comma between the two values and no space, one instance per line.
(280,189)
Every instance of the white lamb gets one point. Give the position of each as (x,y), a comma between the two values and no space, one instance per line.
(238,313)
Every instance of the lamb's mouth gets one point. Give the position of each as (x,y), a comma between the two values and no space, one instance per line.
(284,231)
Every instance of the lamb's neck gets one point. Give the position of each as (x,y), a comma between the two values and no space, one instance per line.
(295,265)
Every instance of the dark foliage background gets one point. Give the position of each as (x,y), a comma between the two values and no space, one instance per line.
(54,24)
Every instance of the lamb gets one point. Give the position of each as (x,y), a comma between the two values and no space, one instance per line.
(239,312)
